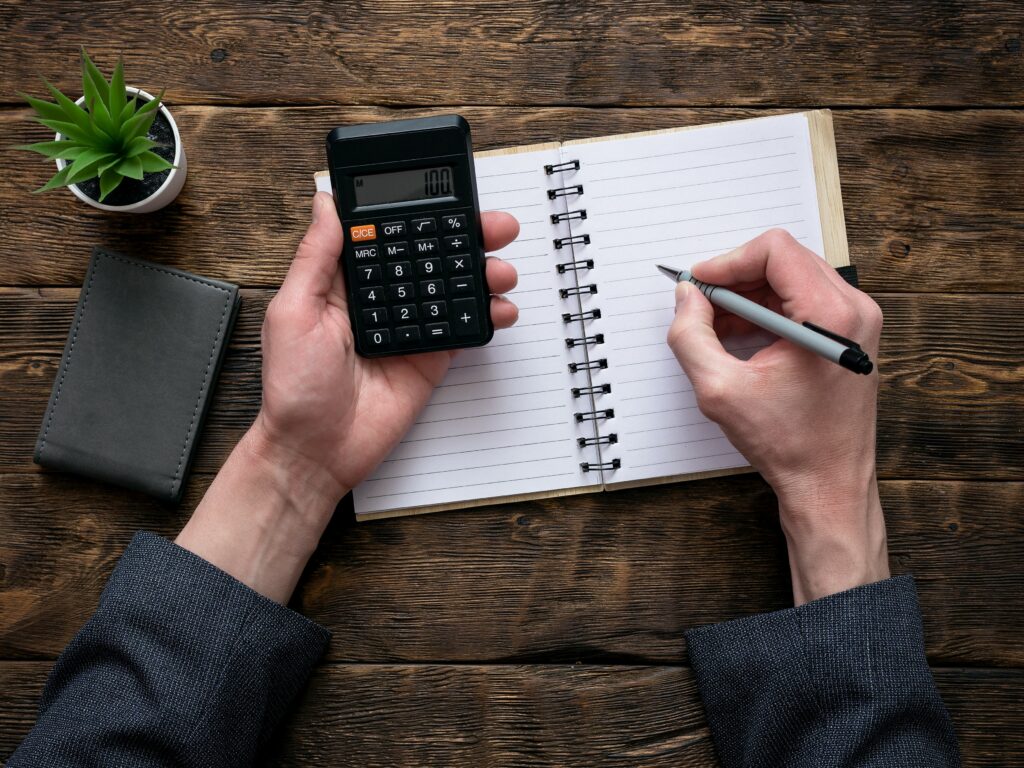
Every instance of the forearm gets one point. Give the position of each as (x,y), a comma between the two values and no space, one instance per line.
(263,515)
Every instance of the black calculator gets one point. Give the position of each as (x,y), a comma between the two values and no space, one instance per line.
(413,258)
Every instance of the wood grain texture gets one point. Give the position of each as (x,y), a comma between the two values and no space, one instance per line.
(950,399)
(542,52)
(931,198)
(606,577)
(394,716)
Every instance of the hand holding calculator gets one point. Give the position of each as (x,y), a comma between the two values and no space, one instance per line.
(413,258)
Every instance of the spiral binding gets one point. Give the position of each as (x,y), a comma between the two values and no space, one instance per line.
(597,338)
(590,314)
(580,215)
(609,439)
(575,189)
(600,389)
(565,293)
(586,466)
(561,242)
(585,340)
(574,266)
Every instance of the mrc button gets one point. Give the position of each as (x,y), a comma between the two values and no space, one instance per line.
(364,252)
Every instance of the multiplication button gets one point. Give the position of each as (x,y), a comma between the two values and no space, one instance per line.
(458,263)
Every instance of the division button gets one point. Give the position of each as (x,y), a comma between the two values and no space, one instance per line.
(456,243)
(438,331)
(466,317)
(422,226)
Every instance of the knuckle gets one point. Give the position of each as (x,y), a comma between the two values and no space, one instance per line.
(712,396)
(778,238)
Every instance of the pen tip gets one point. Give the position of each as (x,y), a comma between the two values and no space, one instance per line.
(673,273)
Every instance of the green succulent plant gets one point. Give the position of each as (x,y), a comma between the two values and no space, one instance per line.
(107,139)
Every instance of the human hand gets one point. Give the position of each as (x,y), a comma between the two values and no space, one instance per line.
(806,424)
(323,404)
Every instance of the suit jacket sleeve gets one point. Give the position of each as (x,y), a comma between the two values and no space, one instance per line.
(181,665)
(840,681)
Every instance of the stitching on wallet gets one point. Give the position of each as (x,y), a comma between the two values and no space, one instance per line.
(209,362)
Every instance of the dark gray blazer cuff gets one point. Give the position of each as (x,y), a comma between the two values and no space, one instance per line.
(820,683)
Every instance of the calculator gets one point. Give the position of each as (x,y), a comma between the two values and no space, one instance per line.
(413,258)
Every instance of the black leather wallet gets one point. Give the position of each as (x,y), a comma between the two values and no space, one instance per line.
(137,374)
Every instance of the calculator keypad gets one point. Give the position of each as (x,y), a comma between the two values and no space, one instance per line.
(417,282)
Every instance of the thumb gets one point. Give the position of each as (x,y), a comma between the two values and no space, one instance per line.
(315,265)
(693,340)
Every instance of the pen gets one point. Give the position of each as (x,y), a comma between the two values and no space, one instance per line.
(829,345)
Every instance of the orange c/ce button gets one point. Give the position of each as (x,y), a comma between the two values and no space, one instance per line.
(363,232)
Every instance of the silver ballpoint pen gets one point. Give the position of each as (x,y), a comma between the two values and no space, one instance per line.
(829,345)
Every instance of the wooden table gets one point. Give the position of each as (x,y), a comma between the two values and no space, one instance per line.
(545,633)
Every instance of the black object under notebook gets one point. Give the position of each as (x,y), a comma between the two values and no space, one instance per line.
(137,374)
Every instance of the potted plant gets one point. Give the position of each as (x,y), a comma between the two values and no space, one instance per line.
(117,147)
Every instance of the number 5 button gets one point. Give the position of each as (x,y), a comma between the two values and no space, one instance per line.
(465,317)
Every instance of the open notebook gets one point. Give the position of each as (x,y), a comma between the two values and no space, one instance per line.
(583,394)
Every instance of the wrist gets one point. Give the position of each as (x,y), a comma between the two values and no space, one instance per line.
(836,538)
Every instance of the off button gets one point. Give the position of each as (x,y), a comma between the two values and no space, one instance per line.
(393,228)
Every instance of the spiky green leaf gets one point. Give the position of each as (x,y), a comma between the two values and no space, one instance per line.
(139,123)
(72,112)
(153,163)
(59,179)
(129,109)
(130,167)
(45,109)
(109,180)
(105,125)
(70,130)
(50,149)
(99,83)
(86,165)
(137,146)
(117,97)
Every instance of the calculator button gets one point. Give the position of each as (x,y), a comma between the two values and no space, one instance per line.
(423,226)
(430,288)
(368,273)
(378,339)
(372,295)
(396,250)
(456,243)
(428,267)
(361,232)
(405,312)
(399,270)
(401,291)
(375,317)
(393,228)
(407,334)
(364,252)
(459,286)
(465,317)
(426,247)
(438,331)
(454,223)
(434,310)
(458,263)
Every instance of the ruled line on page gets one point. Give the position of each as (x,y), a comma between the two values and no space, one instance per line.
(650,190)
(477,485)
(691,168)
(688,459)
(474,450)
(676,204)
(478,466)
(688,151)
(698,218)
(483,432)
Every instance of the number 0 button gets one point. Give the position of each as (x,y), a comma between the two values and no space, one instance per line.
(378,339)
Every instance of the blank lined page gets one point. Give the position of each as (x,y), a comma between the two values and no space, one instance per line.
(502,421)
(676,198)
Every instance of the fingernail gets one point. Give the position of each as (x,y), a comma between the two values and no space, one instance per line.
(682,291)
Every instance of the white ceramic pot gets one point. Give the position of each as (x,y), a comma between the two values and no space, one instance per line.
(167,191)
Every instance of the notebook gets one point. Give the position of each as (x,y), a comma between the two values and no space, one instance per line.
(583,394)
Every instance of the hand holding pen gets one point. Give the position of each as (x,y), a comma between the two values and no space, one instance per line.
(806,424)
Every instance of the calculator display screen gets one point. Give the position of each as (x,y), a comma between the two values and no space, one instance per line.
(404,186)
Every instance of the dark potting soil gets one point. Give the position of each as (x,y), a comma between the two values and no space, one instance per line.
(133,190)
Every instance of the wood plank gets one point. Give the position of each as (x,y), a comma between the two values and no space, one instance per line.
(930,197)
(604,52)
(510,716)
(950,401)
(613,576)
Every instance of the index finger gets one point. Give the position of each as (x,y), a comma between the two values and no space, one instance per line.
(500,229)
(774,258)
